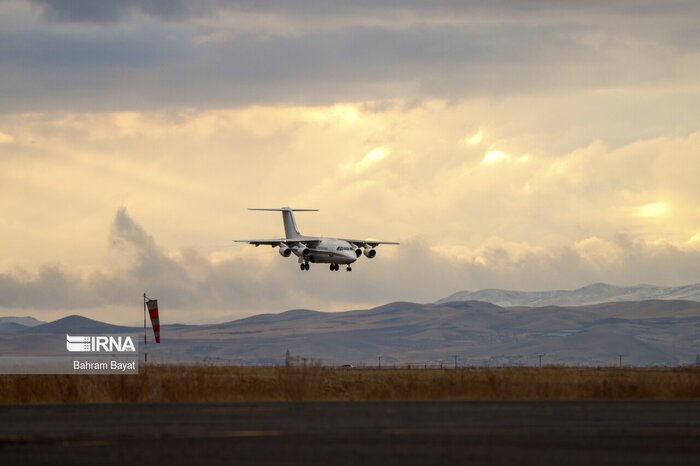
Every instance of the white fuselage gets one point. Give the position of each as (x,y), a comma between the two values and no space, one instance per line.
(314,249)
(330,251)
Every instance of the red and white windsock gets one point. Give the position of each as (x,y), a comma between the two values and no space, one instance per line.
(152,305)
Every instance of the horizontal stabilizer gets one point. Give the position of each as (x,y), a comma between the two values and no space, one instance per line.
(286,209)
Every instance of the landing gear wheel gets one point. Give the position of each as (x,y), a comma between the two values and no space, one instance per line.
(301,266)
(349,269)
(332,267)
(307,266)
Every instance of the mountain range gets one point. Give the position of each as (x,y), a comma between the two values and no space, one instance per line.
(592,294)
(15,324)
(653,332)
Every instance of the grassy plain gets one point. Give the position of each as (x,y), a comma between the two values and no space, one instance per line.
(181,383)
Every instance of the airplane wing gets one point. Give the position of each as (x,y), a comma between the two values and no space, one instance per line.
(309,241)
(258,242)
(367,242)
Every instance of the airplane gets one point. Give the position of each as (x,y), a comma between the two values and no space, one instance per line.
(315,249)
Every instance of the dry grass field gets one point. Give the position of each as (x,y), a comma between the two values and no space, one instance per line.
(174,383)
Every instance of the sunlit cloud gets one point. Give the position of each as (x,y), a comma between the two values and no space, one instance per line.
(694,241)
(653,210)
(495,156)
(5,138)
(598,252)
(373,157)
(336,114)
(474,139)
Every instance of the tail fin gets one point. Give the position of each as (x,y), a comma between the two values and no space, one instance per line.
(290,225)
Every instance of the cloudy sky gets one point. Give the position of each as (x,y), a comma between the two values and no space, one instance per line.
(507,144)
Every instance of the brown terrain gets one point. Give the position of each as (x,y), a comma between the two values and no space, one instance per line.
(192,383)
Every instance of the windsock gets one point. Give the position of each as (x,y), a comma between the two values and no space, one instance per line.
(152,305)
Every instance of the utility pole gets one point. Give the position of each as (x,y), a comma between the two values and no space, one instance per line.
(455,361)
(539,356)
(379,362)
(620,356)
(145,350)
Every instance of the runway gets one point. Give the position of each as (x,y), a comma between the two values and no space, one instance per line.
(365,433)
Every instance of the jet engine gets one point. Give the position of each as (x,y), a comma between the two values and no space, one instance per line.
(284,250)
(358,252)
(369,252)
(301,249)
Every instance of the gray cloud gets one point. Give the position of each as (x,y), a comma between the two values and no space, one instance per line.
(241,53)
(102,12)
(87,11)
(71,52)
(191,283)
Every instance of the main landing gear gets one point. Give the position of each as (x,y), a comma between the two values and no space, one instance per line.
(336,267)
(304,266)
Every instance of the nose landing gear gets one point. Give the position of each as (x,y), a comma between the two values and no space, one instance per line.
(304,266)
(349,269)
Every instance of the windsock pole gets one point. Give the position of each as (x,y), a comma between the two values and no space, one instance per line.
(145,352)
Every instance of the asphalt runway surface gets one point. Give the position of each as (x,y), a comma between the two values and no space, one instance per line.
(358,433)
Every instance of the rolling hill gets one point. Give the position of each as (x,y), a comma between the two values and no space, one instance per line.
(653,332)
(647,333)
(13,324)
(76,324)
